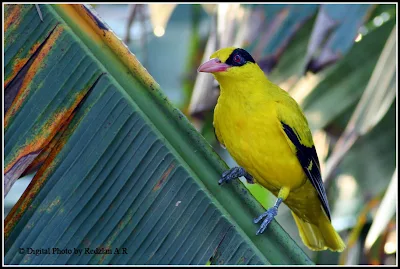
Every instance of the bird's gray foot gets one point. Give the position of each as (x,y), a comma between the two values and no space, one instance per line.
(269,215)
(233,173)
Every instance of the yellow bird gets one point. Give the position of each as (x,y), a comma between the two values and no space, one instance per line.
(267,134)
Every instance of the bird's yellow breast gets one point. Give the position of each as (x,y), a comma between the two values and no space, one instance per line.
(248,126)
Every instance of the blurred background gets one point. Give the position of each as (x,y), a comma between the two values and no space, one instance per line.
(338,62)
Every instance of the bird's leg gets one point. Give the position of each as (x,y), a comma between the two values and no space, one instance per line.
(235,173)
(269,216)
(272,212)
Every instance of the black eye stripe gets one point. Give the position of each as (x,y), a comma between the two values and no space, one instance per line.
(244,58)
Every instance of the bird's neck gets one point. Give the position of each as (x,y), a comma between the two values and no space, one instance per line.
(243,88)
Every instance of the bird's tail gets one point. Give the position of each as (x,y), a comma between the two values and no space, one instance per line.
(321,236)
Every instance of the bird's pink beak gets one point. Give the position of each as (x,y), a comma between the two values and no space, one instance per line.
(212,66)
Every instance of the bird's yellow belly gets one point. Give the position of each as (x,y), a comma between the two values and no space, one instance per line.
(257,144)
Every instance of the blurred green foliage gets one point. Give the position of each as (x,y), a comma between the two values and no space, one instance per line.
(283,47)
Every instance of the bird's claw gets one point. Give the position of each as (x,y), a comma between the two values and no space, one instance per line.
(269,216)
(249,178)
(233,173)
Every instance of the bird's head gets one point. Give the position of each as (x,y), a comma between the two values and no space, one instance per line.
(230,63)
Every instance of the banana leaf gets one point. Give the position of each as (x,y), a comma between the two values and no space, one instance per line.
(129,180)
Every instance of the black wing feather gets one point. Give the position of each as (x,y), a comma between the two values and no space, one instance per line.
(307,155)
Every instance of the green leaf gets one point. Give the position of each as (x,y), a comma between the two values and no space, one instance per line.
(385,212)
(373,105)
(334,32)
(292,61)
(128,171)
(368,166)
(282,22)
(345,82)
(372,158)
(380,91)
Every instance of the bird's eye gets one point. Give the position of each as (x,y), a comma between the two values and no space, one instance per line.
(237,59)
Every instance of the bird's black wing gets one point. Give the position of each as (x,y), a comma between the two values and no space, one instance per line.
(308,159)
